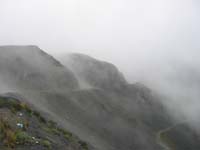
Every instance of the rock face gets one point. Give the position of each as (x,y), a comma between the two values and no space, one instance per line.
(96,73)
(31,68)
(110,115)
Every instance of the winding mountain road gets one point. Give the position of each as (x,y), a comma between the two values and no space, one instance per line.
(162,143)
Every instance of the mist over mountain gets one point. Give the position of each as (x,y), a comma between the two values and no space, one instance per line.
(97,74)
(178,80)
(22,66)
(93,100)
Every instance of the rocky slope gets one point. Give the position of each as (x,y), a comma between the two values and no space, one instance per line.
(23,128)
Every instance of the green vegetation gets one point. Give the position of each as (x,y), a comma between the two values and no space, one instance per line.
(52,124)
(7,134)
(37,114)
(84,145)
(53,128)
(11,135)
(46,144)
(67,135)
(14,105)
(27,109)
(22,137)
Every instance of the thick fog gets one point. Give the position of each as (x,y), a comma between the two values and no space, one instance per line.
(150,41)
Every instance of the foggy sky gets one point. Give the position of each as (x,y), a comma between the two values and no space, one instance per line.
(132,34)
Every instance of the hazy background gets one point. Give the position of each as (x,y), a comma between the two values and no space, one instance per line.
(153,41)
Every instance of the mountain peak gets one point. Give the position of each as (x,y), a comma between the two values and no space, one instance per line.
(98,74)
(30,63)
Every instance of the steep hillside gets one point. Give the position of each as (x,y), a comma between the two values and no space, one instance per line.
(126,108)
(30,68)
(110,115)
(23,128)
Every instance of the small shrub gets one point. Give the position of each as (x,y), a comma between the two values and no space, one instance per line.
(13,110)
(67,135)
(7,134)
(22,137)
(83,145)
(41,119)
(37,114)
(9,138)
(51,130)
(27,109)
(55,131)
(4,125)
(10,103)
(46,144)
(17,106)
(26,125)
(52,124)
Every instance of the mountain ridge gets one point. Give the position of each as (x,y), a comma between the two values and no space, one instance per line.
(110,115)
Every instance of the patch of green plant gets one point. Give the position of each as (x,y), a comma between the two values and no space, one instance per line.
(67,135)
(51,127)
(27,109)
(51,130)
(26,125)
(11,104)
(37,114)
(52,124)
(55,131)
(46,144)
(7,134)
(83,145)
(41,119)
(22,137)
